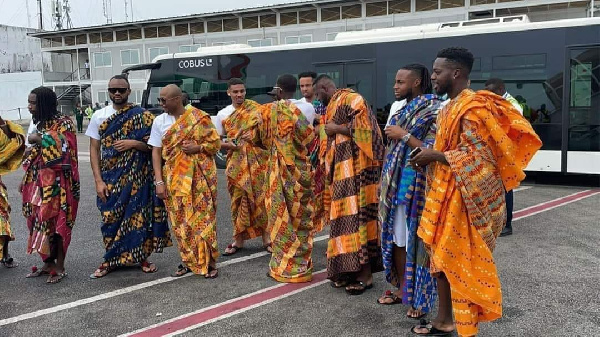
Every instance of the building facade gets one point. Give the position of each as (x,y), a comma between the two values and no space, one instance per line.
(89,56)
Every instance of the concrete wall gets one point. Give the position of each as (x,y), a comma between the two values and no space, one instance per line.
(13,95)
(19,52)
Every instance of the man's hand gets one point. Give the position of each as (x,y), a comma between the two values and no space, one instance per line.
(35,138)
(102,191)
(124,145)
(161,191)
(395,132)
(189,147)
(332,129)
(228,146)
(426,156)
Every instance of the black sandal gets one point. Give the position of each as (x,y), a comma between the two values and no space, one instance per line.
(358,291)
(181,270)
(8,262)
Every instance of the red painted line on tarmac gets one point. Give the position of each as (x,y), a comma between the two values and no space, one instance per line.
(229,308)
(548,205)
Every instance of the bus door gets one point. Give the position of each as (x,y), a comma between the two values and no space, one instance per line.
(581,139)
(358,75)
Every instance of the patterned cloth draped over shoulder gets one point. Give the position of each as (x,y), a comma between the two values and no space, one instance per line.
(487,144)
(352,173)
(403,186)
(283,131)
(51,187)
(11,155)
(191,182)
(134,220)
(246,176)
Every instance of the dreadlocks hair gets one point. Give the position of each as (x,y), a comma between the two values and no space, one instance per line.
(121,77)
(423,73)
(45,104)
(459,56)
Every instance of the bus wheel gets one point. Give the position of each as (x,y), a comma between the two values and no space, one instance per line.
(221,159)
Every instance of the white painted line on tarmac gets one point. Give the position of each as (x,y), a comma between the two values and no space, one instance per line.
(127,290)
(522,188)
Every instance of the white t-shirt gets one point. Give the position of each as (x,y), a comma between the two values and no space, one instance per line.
(220,117)
(160,126)
(397,105)
(308,110)
(97,119)
(30,130)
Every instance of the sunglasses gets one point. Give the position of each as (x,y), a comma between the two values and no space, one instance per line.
(164,100)
(119,90)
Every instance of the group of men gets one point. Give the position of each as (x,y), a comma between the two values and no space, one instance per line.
(427,208)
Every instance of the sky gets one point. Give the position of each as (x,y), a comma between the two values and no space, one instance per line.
(90,12)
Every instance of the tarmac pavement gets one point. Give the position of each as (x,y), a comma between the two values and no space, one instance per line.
(548,269)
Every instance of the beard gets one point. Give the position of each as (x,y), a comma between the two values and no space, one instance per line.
(119,101)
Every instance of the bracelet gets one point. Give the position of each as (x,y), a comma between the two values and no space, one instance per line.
(159,182)
(406,137)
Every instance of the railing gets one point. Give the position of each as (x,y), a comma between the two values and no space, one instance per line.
(72,77)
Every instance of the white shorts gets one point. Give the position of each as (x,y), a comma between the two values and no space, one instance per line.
(400,227)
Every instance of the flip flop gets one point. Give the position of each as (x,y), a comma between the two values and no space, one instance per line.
(149,267)
(358,291)
(36,272)
(389,294)
(55,274)
(181,270)
(235,250)
(100,272)
(431,331)
(8,262)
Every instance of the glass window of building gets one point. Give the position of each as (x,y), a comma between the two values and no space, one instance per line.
(330,14)
(197,27)
(182,29)
(135,34)
(250,22)
(122,35)
(57,42)
(352,11)
(107,37)
(156,51)
(70,40)
(376,8)
(130,57)
(426,5)
(307,16)
(214,26)
(102,59)
(399,6)
(482,2)
(288,18)
(451,3)
(190,48)
(165,31)
(260,42)
(230,25)
(150,32)
(95,38)
(102,97)
(268,20)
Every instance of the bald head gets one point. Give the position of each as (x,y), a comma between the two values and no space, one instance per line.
(324,88)
(171,99)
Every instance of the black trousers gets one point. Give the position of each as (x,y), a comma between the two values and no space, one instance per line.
(509,208)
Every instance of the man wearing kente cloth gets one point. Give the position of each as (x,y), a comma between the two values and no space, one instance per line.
(482,145)
(246,170)
(284,132)
(403,193)
(352,152)
(134,220)
(12,147)
(50,187)
(184,143)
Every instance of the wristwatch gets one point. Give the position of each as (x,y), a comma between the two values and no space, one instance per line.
(406,137)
